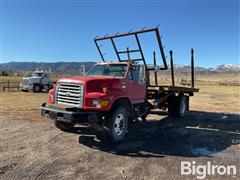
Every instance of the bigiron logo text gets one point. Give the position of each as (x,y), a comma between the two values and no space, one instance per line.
(201,171)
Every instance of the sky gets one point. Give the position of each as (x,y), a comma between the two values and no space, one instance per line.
(51,31)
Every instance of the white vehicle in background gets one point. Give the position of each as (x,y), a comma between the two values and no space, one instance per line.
(40,81)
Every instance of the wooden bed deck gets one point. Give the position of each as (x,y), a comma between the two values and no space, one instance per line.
(183,89)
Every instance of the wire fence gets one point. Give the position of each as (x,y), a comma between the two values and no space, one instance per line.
(10,85)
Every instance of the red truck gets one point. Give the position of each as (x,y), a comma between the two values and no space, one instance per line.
(113,94)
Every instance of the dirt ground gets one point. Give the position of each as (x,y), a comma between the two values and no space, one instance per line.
(32,148)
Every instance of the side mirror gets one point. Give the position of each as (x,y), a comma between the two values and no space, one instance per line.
(142,76)
(156,68)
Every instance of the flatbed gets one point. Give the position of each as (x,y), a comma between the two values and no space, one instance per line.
(171,88)
(169,97)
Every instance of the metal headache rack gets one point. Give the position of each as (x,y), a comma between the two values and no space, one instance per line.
(129,51)
(142,59)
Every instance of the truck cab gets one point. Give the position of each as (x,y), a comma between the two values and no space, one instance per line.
(113,91)
(39,81)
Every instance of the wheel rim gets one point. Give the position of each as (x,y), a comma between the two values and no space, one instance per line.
(119,124)
(182,107)
(37,88)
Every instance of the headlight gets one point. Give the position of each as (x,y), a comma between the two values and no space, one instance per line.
(100,102)
(96,102)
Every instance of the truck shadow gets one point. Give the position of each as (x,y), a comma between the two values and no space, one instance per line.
(197,134)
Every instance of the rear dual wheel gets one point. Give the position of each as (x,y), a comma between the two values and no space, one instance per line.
(177,106)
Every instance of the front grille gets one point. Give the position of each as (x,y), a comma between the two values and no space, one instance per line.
(25,82)
(70,94)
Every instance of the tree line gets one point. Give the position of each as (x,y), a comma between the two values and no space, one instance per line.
(8,72)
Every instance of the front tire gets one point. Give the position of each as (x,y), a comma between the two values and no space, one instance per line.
(64,126)
(37,88)
(116,125)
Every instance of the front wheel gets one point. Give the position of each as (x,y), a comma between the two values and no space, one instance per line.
(37,88)
(64,126)
(116,124)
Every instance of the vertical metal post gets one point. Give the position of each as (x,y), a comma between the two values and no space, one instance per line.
(172,70)
(128,53)
(82,70)
(161,48)
(99,50)
(115,49)
(50,75)
(155,65)
(140,48)
(192,66)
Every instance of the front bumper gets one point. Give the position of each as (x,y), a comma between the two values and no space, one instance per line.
(69,115)
(25,87)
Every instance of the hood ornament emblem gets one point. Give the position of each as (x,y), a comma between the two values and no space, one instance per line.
(68,94)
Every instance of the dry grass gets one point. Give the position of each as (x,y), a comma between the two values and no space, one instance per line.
(228,78)
(18,78)
(10,79)
(215,98)
(21,101)
(216,93)
(212,97)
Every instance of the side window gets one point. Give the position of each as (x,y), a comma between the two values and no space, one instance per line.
(130,77)
(134,73)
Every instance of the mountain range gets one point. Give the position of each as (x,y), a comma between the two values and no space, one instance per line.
(58,68)
(73,68)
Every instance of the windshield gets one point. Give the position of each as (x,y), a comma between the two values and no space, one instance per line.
(113,70)
(36,74)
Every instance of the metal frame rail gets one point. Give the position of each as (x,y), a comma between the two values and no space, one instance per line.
(128,52)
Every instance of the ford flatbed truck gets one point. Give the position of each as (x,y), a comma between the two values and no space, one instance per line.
(112,94)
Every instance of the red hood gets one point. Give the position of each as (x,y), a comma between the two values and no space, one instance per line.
(84,79)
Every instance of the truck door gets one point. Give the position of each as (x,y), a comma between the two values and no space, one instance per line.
(45,79)
(136,85)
